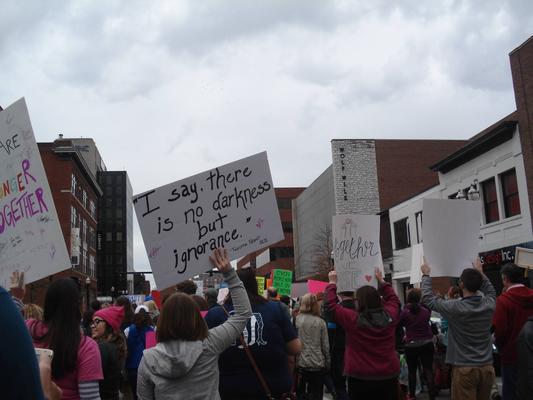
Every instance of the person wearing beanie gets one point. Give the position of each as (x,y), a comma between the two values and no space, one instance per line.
(106,331)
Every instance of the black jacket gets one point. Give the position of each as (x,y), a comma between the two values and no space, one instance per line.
(524,386)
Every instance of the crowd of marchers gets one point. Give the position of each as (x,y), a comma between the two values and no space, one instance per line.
(358,345)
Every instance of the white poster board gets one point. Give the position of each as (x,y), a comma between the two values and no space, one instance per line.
(31,240)
(199,287)
(524,257)
(451,235)
(356,250)
(417,258)
(136,298)
(232,206)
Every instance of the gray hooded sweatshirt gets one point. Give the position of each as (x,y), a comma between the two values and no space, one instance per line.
(469,319)
(189,370)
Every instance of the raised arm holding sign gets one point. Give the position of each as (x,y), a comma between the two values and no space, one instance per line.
(356,250)
(451,235)
(231,206)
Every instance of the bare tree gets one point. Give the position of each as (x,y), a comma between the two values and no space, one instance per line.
(321,250)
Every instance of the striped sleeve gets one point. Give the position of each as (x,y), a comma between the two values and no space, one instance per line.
(89,390)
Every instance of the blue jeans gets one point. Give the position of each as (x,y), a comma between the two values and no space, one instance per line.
(509,376)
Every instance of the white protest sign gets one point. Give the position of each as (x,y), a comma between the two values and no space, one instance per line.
(417,258)
(232,206)
(30,234)
(524,257)
(199,287)
(136,298)
(451,235)
(222,293)
(356,250)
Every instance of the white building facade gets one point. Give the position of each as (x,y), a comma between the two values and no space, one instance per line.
(491,164)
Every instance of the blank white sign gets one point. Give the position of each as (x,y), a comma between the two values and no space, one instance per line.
(451,235)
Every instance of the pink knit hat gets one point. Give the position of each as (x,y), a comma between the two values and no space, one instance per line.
(113,316)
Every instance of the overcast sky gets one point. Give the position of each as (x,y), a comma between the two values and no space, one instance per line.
(168,89)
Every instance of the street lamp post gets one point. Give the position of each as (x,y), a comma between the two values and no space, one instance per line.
(87,283)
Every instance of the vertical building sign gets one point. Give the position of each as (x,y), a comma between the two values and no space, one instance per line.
(355,176)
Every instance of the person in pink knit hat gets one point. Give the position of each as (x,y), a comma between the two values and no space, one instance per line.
(106,331)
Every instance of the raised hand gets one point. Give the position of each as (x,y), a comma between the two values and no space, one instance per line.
(379,275)
(220,260)
(332,275)
(16,285)
(425,267)
(477,265)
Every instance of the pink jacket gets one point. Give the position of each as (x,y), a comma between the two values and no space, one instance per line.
(370,350)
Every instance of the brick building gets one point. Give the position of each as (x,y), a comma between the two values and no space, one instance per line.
(367,177)
(281,254)
(522,72)
(75,192)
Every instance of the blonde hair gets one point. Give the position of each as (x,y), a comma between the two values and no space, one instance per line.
(151,305)
(32,311)
(309,304)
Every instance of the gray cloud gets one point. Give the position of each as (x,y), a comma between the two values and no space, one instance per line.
(171,88)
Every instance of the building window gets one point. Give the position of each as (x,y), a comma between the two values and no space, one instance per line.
(83,226)
(511,200)
(284,203)
(281,252)
(287,226)
(84,199)
(401,234)
(109,236)
(92,265)
(490,201)
(73,184)
(418,219)
(92,208)
(73,217)
(119,236)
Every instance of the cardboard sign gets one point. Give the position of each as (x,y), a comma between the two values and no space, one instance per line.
(417,258)
(298,289)
(524,257)
(222,293)
(156,296)
(151,339)
(282,281)
(199,287)
(316,286)
(136,298)
(356,250)
(260,284)
(31,240)
(451,235)
(232,206)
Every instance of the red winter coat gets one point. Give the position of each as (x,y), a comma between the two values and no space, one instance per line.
(370,351)
(513,308)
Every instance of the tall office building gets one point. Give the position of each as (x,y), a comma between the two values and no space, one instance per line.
(115,234)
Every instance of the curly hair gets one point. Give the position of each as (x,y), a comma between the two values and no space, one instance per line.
(187,287)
